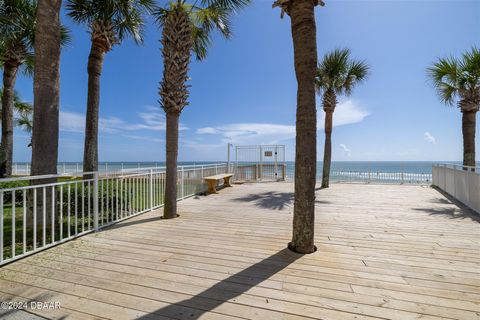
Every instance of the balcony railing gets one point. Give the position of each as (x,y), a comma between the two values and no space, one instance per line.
(461,182)
(42,211)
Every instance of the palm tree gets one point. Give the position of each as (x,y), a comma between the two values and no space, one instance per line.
(302,16)
(109,22)
(458,81)
(17,31)
(46,87)
(186,29)
(24,113)
(337,74)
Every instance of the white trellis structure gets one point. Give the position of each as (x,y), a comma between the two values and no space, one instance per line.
(259,163)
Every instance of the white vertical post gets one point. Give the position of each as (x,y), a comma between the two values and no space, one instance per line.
(151,189)
(77,168)
(228,157)
(28,169)
(182,183)
(106,167)
(236,161)
(261,163)
(64,171)
(402,172)
(276,159)
(95,201)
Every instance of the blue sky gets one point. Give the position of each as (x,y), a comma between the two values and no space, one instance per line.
(245,91)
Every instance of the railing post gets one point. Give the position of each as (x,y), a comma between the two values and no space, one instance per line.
(95,201)
(402,173)
(151,189)
(182,183)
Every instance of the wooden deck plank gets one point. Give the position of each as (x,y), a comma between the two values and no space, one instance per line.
(385,252)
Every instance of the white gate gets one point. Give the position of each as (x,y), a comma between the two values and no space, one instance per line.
(260,163)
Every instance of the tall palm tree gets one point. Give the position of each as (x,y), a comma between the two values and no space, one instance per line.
(302,16)
(17,32)
(337,74)
(186,29)
(458,81)
(46,87)
(109,23)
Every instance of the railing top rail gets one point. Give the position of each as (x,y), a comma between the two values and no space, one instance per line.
(179,167)
(456,165)
(46,176)
(263,145)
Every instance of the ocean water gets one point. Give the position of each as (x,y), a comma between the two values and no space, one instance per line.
(393,171)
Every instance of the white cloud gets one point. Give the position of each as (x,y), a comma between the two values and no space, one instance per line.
(428,137)
(207,130)
(143,138)
(346,112)
(269,133)
(151,119)
(346,150)
(247,133)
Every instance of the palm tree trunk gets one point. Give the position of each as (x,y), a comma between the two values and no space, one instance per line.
(6,147)
(305,58)
(95,64)
(327,153)
(177,44)
(46,88)
(468,130)
(46,92)
(170,207)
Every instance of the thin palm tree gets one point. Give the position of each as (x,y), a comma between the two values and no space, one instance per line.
(17,32)
(337,74)
(457,81)
(302,19)
(109,23)
(186,29)
(23,112)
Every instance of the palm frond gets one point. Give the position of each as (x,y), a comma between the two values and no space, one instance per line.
(357,73)
(444,76)
(337,72)
(230,5)
(125,18)
(206,16)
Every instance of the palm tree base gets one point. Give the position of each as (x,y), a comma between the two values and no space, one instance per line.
(302,250)
(168,218)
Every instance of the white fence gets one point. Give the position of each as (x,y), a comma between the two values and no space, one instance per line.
(461,182)
(42,211)
(23,168)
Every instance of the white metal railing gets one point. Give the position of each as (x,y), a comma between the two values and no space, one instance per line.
(380,177)
(69,168)
(42,211)
(373,173)
(461,182)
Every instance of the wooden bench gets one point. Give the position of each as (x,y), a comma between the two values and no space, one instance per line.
(213,180)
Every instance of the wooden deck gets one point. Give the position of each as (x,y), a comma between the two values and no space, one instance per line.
(388,252)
